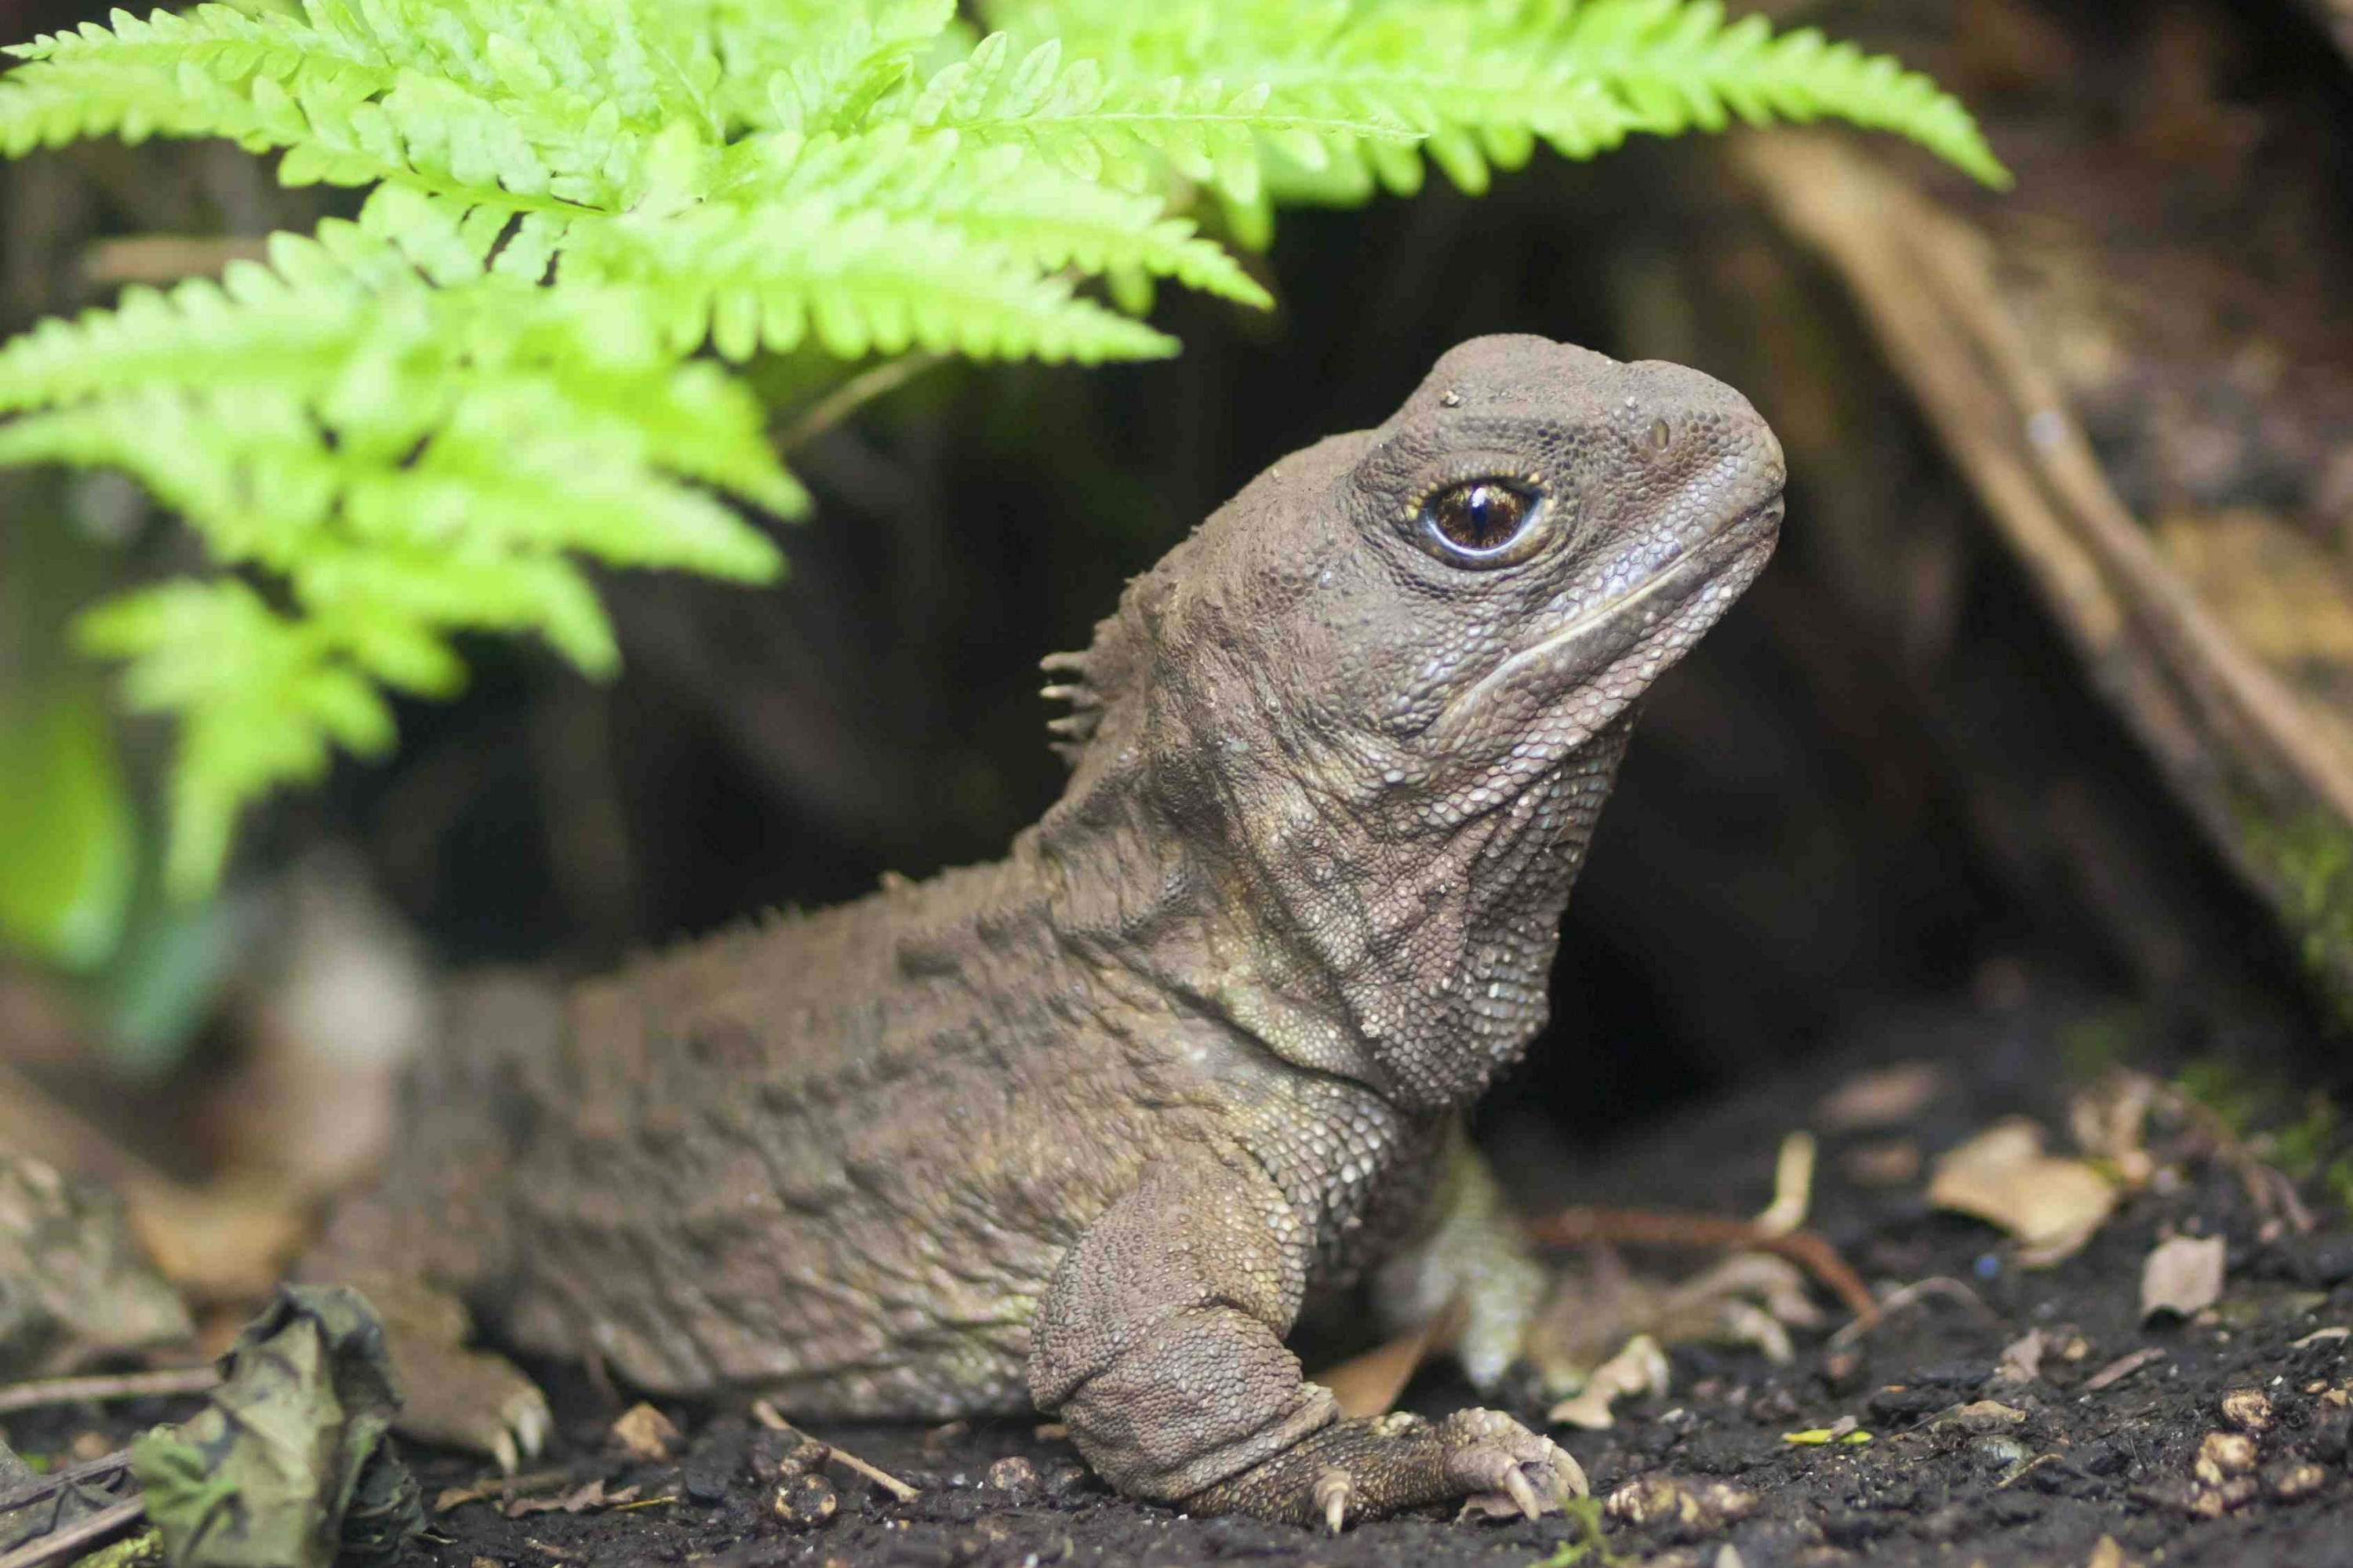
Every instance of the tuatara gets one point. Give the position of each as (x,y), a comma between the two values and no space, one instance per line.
(1083,1128)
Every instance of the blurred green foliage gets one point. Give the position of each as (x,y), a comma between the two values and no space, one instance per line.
(67,835)
(429,420)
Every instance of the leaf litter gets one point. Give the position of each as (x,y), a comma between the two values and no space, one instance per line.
(2052,1417)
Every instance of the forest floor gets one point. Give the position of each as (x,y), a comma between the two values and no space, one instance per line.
(2107,1454)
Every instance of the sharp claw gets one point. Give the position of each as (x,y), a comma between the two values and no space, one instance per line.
(531,1428)
(1332,1491)
(1568,1482)
(503,1449)
(1516,1481)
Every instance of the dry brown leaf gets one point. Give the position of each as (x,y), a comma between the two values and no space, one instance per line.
(1368,1386)
(2051,1206)
(1881,1098)
(1640,1367)
(2022,1360)
(644,1433)
(229,1240)
(2110,1122)
(1895,1163)
(2182,1276)
(590,1497)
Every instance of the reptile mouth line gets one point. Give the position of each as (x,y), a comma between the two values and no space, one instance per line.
(1700,560)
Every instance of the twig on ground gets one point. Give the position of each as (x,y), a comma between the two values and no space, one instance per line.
(1905,1296)
(71,1540)
(500,1486)
(120,1385)
(1644,1227)
(105,1465)
(2115,1372)
(768,1415)
(2269,1189)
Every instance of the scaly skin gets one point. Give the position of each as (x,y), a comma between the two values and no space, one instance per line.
(1083,1128)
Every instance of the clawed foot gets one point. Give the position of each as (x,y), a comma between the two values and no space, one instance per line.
(1364,1469)
(1492,1457)
(468,1399)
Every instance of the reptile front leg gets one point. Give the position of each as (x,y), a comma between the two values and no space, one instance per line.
(1160,1344)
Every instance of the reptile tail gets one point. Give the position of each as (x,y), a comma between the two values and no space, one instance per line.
(438,1218)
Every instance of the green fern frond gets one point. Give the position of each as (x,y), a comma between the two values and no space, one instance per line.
(1122,129)
(1482,83)
(410,462)
(802,248)
(1001,196)
(1679,68)
(830,69)
(546,104)
(262,699)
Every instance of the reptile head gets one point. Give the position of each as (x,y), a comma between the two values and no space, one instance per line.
(1385,688)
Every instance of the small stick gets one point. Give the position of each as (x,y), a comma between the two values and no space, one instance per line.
(67,1542)
(1793,1186)
(766,1415)
(1645,1227)
(2123,1367)
(1919,1291)
(2268,1188)
(166,257)
(122,1385)
(105,1465)
(847,398)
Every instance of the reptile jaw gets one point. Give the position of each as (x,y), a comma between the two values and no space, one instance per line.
(1605,631)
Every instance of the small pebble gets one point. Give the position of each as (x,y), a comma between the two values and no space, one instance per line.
(2248,1410)
(2224,1455)
(1985,1416)
(806,1500)
(765,1454)
(2292,1480)
(1013,1474)
(2233,1494)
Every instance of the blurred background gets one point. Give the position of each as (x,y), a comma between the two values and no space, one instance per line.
(2045,709)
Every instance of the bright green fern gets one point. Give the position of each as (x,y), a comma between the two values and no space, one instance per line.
(513,363)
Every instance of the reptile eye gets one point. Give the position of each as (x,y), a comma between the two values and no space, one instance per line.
(1480,523)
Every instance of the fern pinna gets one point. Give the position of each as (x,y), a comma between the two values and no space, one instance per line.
(581,214)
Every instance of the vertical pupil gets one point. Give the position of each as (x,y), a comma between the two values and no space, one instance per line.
(1486,515)
(1477,515)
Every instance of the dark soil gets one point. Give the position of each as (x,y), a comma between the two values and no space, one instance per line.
(2039,1482)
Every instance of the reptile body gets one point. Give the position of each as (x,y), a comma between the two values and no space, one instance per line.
(1085,1128)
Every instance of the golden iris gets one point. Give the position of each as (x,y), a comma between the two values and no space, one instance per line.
(1478,519)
